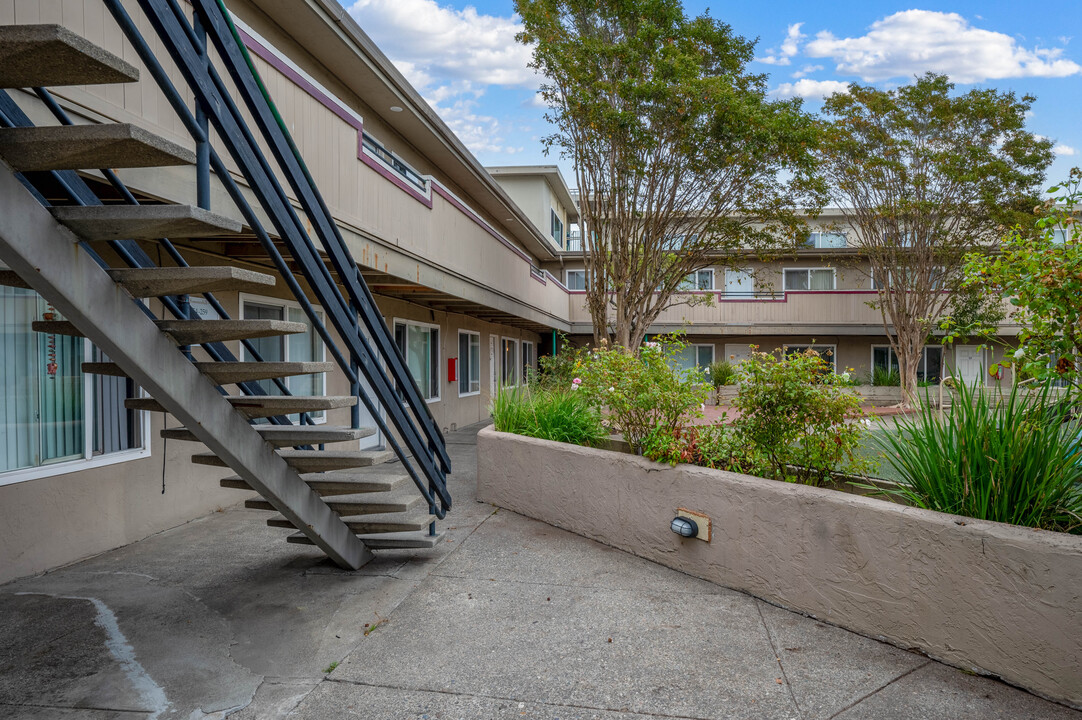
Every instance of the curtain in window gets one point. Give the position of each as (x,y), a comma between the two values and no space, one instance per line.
(42,413)
(822,279)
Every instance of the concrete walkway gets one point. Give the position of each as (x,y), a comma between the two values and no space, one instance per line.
(510,618)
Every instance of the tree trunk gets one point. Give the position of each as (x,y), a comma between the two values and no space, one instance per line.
(909,354)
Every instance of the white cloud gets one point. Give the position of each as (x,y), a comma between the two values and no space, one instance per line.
(789,47)
(808,88)
(437,42)
(916,41)
(1064,150)
(480,133)
(806,70)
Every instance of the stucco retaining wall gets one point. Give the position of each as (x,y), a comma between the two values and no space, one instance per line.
(988,597)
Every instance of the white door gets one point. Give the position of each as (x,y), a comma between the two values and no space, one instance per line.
(492,365)
(969,363)
(737,352)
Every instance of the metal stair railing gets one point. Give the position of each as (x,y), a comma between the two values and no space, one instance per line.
(80,193)
(421,437)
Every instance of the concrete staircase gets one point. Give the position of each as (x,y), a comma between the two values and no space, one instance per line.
(347,502)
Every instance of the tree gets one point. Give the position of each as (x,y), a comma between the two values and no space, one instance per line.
(924,177)
(679,156)
(1041,273)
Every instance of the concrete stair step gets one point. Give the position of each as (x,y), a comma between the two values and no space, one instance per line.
(386,541)
(225,373)
(144,222)
(194,332)
(288,435)
(310,461)
(366,524)
(84,147)
(260,406)
(52,55)
(356,505)
(10,278)
(157,282)
(338,483)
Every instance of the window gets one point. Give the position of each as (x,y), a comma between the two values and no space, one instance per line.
(829,353)
(469,363)
(739,283)
(1059,235)
(699,280)
(528,360)
(299,347)
(808,279)
(53,415)
(929,369)
(375,149)
(820,239)
(557,228)
(694,356)
(419,344)
(509,363)
(576,279)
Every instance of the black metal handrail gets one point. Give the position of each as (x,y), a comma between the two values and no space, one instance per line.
(422,439)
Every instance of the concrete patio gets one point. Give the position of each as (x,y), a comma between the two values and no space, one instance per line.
(507,618)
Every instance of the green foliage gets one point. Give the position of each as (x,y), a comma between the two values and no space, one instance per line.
(557,371)
(792,411)
(558,414)
(1016,460)
(886,378)
(713,446)
(722,372)
(680,149)
(1042,276)
(641,390)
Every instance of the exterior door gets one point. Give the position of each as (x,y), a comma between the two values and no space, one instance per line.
(492,374)
(969,363)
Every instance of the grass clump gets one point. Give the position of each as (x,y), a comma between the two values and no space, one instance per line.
(562,415)
(1015,460)
(722,372)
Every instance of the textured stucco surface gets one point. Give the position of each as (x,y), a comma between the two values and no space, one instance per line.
(983,596)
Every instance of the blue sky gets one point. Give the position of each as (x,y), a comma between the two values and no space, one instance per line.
(463,59)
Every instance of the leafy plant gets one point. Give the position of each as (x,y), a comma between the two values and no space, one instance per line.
(886,378)
(641,390)
(559,414)
(722,372)
(713,446)
(804,424)
(1016,460)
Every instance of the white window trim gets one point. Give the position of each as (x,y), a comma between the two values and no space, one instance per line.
(819,346)
(833,271)
(283,303)
(820,233)
(713,352)
(522,357)
(923,357)
(567,282)
(478,390)
(439,353)
(518,361)
(89,460)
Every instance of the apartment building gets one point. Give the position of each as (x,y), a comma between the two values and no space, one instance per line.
(463,276)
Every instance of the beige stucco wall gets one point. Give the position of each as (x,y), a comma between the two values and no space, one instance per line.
(986,597)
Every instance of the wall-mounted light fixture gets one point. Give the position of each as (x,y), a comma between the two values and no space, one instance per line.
(684,527)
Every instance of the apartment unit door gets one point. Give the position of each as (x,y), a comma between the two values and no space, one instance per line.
(492,374)
(969,363)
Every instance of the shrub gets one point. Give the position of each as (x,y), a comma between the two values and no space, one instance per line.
(556,371)
(884,377)
(642,390)
(550,414)
(1016,460)
(794,414)
(722,372)
(713,446)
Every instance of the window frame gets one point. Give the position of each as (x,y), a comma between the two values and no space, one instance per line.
(437,356)
(523,365)
(462,368)
(286,305)
(556,227)
(567,279)
(833,347)
(923,359)
(833,274)
(516,364)
(814,239)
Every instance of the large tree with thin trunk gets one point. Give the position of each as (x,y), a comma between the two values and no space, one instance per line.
(680,157)
(924,176)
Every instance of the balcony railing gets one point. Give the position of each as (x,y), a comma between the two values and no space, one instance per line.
(392,161)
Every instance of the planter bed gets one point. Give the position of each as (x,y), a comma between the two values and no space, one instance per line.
(986,597)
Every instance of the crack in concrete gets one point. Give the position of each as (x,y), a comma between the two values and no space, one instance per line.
(728,594)
(777,657)
(882,687)
(543,703)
